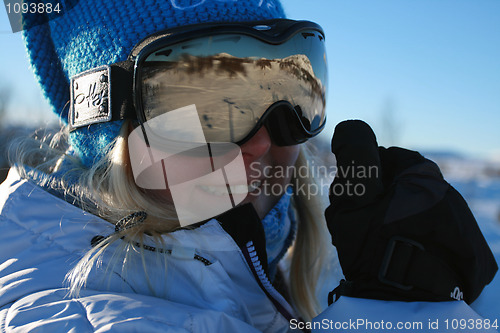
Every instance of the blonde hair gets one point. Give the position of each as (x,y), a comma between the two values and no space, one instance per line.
(108,190)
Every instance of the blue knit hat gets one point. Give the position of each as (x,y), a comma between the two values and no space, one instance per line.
(101,32)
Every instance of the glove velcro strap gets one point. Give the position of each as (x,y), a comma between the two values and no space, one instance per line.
(408,266)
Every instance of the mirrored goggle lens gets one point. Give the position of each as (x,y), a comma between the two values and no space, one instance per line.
(232,80)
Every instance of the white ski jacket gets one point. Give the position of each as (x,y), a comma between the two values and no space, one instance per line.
(211,285)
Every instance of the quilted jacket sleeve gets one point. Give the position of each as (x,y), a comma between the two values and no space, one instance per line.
(51,311)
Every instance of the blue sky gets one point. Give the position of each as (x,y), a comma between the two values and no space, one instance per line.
(425,74)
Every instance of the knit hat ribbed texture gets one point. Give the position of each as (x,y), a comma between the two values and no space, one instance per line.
(101,32)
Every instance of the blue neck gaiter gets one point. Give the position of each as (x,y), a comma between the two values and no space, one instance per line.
(279,227)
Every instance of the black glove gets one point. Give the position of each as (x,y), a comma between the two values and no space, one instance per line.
(401,231)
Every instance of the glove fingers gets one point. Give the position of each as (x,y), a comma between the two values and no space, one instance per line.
(358,179)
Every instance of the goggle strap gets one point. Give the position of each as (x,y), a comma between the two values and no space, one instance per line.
(102,94)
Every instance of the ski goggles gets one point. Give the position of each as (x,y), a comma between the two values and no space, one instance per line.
(240,76)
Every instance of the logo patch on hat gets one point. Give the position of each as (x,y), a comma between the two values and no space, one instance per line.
(90,102)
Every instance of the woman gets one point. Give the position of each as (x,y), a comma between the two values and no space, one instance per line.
(179,186)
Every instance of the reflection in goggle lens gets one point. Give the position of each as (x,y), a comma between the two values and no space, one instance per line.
(232,91)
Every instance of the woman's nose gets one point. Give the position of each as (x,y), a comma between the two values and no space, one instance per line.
(257,146)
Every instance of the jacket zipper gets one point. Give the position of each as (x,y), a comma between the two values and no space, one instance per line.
(250,254)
